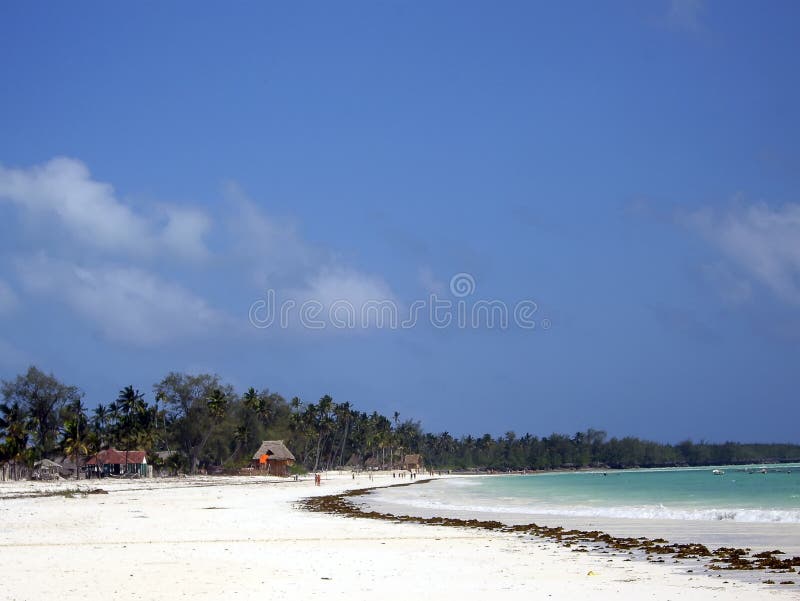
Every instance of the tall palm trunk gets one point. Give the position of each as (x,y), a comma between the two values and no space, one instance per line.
(77,450)
(235,451)
(344,441)
(319,445)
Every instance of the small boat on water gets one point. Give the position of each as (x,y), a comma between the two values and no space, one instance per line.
(718,472)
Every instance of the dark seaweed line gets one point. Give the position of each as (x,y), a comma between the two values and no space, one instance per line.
(723,558)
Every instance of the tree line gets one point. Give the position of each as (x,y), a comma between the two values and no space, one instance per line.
(204,423)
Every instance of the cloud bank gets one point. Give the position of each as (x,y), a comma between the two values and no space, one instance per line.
(62,190)
(760,242)
(125,289)
(126,303)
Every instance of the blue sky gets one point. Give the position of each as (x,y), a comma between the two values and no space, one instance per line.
(631,167)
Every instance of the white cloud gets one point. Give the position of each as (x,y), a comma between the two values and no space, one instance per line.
(330,285)
(8,298)
(272,248)
(127,304)
(63,189)
(763,243)
(111,289)
(88,209)
(282,260)
(184,232)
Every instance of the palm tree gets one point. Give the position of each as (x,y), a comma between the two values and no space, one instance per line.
(73,444)
(217,404)
(242,437)
(78,411)
(259,404)
(114,417)
(15,428)
(394,439)
(320,417)
(130,401)
(162,414)
(132,407)
(100,421)
(300,423)
(343,416)
(251,400)
(383,432)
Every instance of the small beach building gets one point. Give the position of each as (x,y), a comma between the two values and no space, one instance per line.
(44,469)
(412,462)
(355,462)
(372,463)
(113,462)
(273,458)
(68,466)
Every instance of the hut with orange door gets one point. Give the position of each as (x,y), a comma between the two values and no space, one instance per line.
(273,458)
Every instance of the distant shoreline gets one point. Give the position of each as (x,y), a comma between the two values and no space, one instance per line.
(709,466)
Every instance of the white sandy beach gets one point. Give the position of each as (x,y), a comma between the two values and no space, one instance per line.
(244,538)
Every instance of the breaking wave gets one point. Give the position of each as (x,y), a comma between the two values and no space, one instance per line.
(645,512)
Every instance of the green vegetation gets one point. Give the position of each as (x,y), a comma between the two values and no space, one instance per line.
(67,493)
(205,423)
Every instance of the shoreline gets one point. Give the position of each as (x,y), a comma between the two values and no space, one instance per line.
(236,537)
(674,523)
(722,558)
(599,469)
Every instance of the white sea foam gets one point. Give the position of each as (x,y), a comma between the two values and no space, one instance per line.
(649,512)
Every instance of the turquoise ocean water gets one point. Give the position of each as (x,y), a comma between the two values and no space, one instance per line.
(742,494)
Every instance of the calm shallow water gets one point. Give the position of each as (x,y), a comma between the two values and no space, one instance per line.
(743,507)
(741,494)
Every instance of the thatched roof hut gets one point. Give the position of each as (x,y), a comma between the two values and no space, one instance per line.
(274,449)
(45,469)
(274,457)
(354,461)
(412,461)
(68,466)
